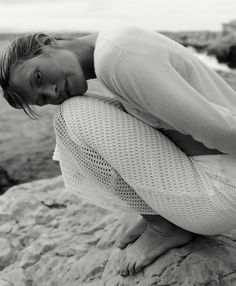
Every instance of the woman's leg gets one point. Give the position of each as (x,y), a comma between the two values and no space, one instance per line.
(171,183)
(143,160)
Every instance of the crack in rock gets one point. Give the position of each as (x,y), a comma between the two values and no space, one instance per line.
(54,205)
(218,281)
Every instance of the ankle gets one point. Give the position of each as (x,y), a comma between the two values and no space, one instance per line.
(159,224)
(162,228)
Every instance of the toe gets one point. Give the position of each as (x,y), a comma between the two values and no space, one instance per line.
(125,271)
(131,268)
(131,234)
(138,267)
(127,239)
(120,262)
(121,244)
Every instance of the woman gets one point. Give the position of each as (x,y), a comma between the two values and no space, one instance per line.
(119,151)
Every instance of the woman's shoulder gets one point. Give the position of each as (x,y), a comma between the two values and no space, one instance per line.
(126,38)
(112,43)
(132,40)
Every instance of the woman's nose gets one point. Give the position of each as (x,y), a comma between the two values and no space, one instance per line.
(52,91)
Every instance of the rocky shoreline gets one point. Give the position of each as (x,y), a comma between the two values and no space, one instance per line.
(50,237)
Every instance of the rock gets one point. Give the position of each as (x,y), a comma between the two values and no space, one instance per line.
(16,277)
(224,47)
(229,27)
(6,227)
(31,254)
(69,242)
(5,283)
(6,252)
(222,44)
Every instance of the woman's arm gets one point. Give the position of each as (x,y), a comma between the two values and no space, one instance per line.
(161,90)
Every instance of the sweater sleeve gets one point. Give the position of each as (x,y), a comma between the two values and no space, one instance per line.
(163,91)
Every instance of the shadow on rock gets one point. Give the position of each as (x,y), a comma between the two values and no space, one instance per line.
(5,181)
(224,47)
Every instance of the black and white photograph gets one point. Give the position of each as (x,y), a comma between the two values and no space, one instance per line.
(117,143)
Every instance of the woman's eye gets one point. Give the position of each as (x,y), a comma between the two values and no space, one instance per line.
(38,77)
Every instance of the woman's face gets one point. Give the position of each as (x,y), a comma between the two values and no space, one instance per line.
(49,78)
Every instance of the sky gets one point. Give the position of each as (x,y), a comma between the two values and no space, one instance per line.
(93,15)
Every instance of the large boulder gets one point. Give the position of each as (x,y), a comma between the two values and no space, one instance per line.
(229,27)
(50,237)
(224,47)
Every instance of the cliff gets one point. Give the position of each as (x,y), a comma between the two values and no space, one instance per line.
(49,237)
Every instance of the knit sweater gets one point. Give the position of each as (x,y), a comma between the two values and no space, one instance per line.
(163,84)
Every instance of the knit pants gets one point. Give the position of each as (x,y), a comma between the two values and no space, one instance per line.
(118,162)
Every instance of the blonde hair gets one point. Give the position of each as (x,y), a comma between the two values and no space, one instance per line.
(21,49)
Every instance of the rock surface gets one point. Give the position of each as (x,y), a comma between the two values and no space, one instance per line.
(224,46)
(50,237)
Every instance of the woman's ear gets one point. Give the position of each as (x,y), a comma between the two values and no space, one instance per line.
(45,40)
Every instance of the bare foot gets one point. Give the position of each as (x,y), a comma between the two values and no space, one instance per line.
(149,246)
(132,233)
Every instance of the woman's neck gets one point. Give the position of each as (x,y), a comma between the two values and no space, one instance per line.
(83,48)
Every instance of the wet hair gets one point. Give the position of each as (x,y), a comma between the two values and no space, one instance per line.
(19,50)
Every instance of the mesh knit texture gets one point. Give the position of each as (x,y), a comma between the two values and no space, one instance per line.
(118,162)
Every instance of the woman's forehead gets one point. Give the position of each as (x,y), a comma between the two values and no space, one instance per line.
(20,73)
(29,64)
(20,79)
(23,65)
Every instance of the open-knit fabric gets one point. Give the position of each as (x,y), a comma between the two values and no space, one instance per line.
(118,162)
